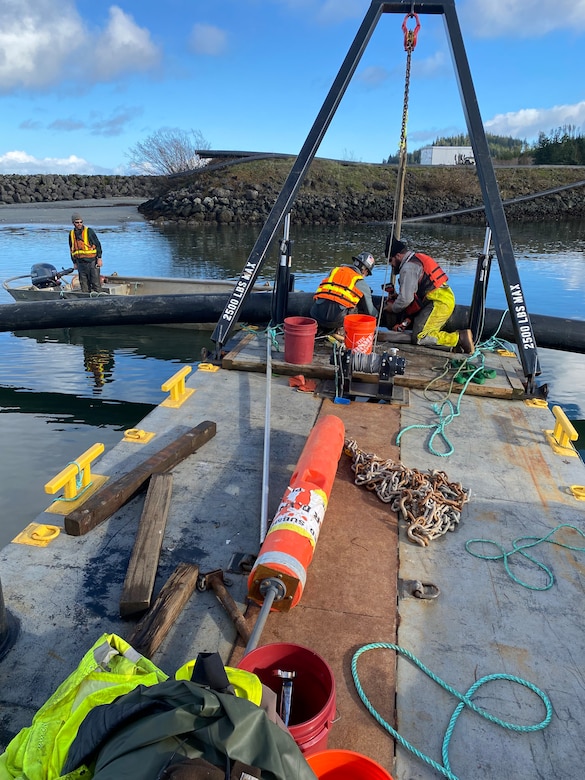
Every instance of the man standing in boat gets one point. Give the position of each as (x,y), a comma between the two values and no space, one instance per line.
(344,292)
(86,254)
(424,300)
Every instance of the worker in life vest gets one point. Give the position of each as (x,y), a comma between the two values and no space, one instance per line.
(344,292)
(86,254)
(424,300)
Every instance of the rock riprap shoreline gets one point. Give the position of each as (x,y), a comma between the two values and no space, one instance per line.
(332,193)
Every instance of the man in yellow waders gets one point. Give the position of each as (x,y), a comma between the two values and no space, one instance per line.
(424,300)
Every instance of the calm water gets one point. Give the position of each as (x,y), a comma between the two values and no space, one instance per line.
(62,391)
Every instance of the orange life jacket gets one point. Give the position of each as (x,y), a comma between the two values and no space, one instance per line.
(339,286)
(432,278)
(81,249)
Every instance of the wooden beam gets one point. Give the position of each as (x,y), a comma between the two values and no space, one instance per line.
(141,573)
(116,492)
(176,592)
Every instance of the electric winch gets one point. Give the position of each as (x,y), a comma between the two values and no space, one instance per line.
(368,375)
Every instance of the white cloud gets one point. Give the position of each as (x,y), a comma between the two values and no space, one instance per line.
(23,163)
(36,39)
(122,47)
(43,42)
(335,11)
(430,67)
(372,76)
(522,18)
(207,39)
(528,122)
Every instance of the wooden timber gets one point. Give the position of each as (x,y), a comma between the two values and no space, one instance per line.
(175,593)
(115,493)
(141,573)
(425,368)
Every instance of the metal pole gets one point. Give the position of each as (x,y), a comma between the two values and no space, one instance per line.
(266,458)
(282,276)
(272,590)
(482,275)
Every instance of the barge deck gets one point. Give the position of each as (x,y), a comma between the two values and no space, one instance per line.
(67,594)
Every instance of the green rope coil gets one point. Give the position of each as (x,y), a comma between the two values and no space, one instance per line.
(464,701)
(520,545)
(446,413)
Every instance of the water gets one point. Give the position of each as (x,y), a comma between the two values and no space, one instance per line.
(63,390)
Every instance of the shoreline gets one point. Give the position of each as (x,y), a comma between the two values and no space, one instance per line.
(95,212)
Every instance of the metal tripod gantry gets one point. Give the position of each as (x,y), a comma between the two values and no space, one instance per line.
(494,208)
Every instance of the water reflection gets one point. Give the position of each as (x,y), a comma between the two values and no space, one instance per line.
(62,390)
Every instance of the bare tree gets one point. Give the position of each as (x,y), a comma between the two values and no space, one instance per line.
(167,151)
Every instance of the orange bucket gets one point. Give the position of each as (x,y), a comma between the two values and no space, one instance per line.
(359,332)
(345,765)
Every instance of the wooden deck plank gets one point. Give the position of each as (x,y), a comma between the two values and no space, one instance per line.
(141,573)
(424,367)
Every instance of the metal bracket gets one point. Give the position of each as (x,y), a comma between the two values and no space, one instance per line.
(418,589)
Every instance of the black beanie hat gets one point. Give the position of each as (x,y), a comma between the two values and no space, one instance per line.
(395,248)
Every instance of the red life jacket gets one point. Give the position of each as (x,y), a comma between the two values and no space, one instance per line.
(339,286)
(432,278)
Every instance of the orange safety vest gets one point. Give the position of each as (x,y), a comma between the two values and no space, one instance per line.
(339,286)
(81,249)
(432,278)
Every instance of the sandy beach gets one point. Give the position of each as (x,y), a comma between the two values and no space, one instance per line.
(107,211)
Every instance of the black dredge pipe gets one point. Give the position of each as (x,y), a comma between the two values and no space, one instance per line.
(551,332)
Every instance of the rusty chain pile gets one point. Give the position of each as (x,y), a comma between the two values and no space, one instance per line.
(427,501)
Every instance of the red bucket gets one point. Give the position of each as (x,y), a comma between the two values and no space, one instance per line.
(299,340)
(359,332)
(346,765)
(313,693)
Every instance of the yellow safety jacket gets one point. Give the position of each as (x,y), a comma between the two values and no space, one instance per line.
(339,286)
(246,685)
(109,669)
(81,249)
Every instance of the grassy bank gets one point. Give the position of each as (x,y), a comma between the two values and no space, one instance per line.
(331,178)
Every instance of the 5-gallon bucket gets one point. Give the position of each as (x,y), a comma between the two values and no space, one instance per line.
(299,340)
(346,765)
(313,691)
(359,332)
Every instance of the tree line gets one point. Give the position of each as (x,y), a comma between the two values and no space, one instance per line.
(562,146)
(171,151)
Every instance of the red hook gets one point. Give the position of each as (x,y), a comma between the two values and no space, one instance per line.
(410,35)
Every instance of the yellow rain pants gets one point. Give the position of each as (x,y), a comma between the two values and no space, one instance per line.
(429,321)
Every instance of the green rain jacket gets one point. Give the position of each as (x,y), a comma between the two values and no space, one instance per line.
(144,731)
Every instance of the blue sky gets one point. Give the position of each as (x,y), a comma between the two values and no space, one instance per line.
(82,81)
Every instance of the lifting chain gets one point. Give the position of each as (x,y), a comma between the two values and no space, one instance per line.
(410,37)
(428,502)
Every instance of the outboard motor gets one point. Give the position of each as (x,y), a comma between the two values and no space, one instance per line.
(44,275)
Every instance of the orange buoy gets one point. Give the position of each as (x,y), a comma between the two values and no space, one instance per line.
(292,537)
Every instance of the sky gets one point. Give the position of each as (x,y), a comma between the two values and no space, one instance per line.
(83,81)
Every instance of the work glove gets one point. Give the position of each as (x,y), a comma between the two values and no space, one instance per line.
(402,325)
